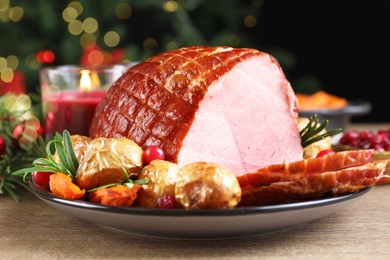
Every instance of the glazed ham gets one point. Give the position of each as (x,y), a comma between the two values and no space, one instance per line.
(232,106)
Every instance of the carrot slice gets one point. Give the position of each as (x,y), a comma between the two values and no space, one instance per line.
(62,186)
(119,195)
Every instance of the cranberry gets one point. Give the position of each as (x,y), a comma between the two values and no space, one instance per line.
(379,141)
(325,152)
(41,178)
(166,202)
(153,153)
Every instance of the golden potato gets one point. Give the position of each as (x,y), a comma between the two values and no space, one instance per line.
(162,177)
(103,161)
(207,185)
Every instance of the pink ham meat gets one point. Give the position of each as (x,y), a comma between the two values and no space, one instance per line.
(232,106)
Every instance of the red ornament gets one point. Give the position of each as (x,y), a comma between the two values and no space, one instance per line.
(18,131)
(2,145)
(16,86)
(41,131)
(46,57)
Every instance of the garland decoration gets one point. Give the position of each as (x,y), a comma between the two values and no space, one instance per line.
(21,139)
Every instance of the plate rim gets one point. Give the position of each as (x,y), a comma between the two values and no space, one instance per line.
(81,204)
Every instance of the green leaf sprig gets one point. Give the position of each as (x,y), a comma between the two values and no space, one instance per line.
(68,163)
(310,133)
(128,182)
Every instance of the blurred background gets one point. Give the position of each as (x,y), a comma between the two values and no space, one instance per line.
(341,47)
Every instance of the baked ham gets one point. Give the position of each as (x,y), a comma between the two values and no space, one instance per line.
(232,106)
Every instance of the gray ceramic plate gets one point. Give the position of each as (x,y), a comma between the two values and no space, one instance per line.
(340,118)
(200,224)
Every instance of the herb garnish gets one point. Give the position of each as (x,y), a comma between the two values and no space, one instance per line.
(68,161)
(310,133)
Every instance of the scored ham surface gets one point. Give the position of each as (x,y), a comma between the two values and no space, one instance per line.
(232,106)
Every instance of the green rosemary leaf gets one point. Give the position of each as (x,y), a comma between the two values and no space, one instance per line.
(19,182)
(2,181)
(105,186)
(62,156)
(34,169)
(48,150)
(141,182)
(126,174)
(43,162)
(306,132)
(128,180)
(69,150)
(311,132)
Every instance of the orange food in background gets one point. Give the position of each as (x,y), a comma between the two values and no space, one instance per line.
(320,100)
(62,186)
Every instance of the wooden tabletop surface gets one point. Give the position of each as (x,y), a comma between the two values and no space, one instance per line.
(31,229)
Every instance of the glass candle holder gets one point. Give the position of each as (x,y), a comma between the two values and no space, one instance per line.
(70,95)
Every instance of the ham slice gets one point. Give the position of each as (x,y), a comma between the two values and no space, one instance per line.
(232,106)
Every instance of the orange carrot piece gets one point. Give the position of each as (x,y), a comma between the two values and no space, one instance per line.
(62,186)
(119,195)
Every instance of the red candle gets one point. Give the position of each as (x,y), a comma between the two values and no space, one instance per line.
(72,110)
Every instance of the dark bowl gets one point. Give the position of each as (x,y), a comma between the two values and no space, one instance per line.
(339,118)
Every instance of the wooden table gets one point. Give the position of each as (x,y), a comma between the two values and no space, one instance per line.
(31,229)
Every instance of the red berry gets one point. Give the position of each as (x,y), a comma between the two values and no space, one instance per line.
(325,152)
(153,153)
(166,202)
(18,131)
(41,178)
(2,145)
(41,131)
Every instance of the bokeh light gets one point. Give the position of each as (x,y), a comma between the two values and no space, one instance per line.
(250,21)
(69,14)
(32,62)
(111,39)
(170,6)
(123,11)
(234,40)
(16,14)
(7,75)
(77,6)
(12,62)
(75,27)
(95,58)
(150,44)
(90,25)
(45,57)
(4,5)
(3,64)
(87,39)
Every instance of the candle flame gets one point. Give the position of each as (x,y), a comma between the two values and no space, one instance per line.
(85,80)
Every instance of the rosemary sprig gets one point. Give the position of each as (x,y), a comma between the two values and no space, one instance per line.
(68,161)
(18,109)
(310,133)
(128,181)
(8,183)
